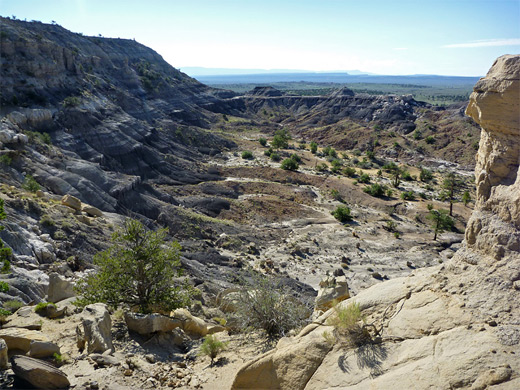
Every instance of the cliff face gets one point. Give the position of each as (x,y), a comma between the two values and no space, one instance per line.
(453,326)
(495,104)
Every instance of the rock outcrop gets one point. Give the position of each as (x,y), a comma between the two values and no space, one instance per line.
(94,332)
(452,326)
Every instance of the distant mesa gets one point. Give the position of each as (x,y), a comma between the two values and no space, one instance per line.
(265,92)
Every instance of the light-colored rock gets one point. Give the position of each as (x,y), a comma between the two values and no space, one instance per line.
(104,360)
(84,219)
(94,332)
(3,355)
(43,349)
(24,317)
(192,325)
(59,288)
(40,374)
(212,329)
(20,339)
(72,202)
(332,289)
(146,324)
(91,210)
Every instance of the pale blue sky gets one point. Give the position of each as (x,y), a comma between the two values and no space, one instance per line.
(450,37)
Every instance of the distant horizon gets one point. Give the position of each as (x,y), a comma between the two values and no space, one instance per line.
(403,37)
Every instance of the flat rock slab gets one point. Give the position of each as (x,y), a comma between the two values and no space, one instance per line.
(20,339)
(39,374)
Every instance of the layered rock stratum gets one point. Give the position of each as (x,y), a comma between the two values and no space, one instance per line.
(452,326)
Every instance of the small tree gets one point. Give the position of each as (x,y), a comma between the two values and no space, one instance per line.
(281,139)
(138,270)
(212,347)
(441,221)
(314,147)
(466,198)
(262,141)
(342,214)
(451,185)
(289,164)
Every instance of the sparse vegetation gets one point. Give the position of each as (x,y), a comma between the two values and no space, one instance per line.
(289,164)
(441,221)
(376,189)
(281,139)
(71,101)
(5,252)
(408,195)
(314,147)
(342,214)
(4,287)
(30,184)
(138,271)
(247,155)
(350,325)
(211,347)
(426,175)
(466,198)
(262,141)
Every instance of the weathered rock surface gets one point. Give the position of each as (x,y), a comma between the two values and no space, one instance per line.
(332,289)
(40,374)
(20,339)
(3,355)
(59,288)
(147,324)
(94,332)
(42,349)
(453,326)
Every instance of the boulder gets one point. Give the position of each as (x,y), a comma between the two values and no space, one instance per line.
(194,326)
(20,339)
(91,210)
(332,289)
(59,288)
(39,374)
(94,332)
(42,349)
(3,355)
(24,317)
(104,360)
(146,324)
(72,202)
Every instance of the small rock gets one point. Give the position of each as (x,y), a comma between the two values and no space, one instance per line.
(128,372)
(150,358)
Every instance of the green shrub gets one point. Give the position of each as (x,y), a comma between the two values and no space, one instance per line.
(408,195)
(12,305)
(247,155)
(5,252)
(58,358)
(430,139)
(137,271)
(314,147)
(262,141)
(281,139)
(71,101)
(46,220)
(350,325)
(426,175)
(364,178)
(406,176)
(5,159)
(268,152)
(342,214)
(370,154)
(376,189)
(212,347)
(30,184)
(335,195)
(4,287)
(296,158)
(349,172)
(323,167)
(289,164)
(275,157)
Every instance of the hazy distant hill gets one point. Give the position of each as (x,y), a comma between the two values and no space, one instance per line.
(195,71)
(262,78)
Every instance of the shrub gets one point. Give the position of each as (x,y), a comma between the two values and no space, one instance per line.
(466,198)
(247,155)
(12,305)
(275,157)
(408,195)
(262,141)
(4,287)
(46,220)
(335,195)
(266,305)
(364,178)
(441,221)
(212,347)
(42,306)
(268,152)
(406,176)
(375,189)
(71,101)
(323,167)
(342,214)
(5,252)
(30,184)
(137,271)
(58,358)
(314,147)
(426,175)
(349,171)
(5,159)
(296,158)
(281,139)
(370,154)
(289,164)
(6,267)
(430,139)
(350,325)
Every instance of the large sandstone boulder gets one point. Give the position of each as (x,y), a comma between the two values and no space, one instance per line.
(20,339)
(39,374)
(59,288)
(192,325)
(451,326)
(147,324)
(72,202)
(94,332)
(43,349)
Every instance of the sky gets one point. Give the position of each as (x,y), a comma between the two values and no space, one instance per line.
(445,37)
